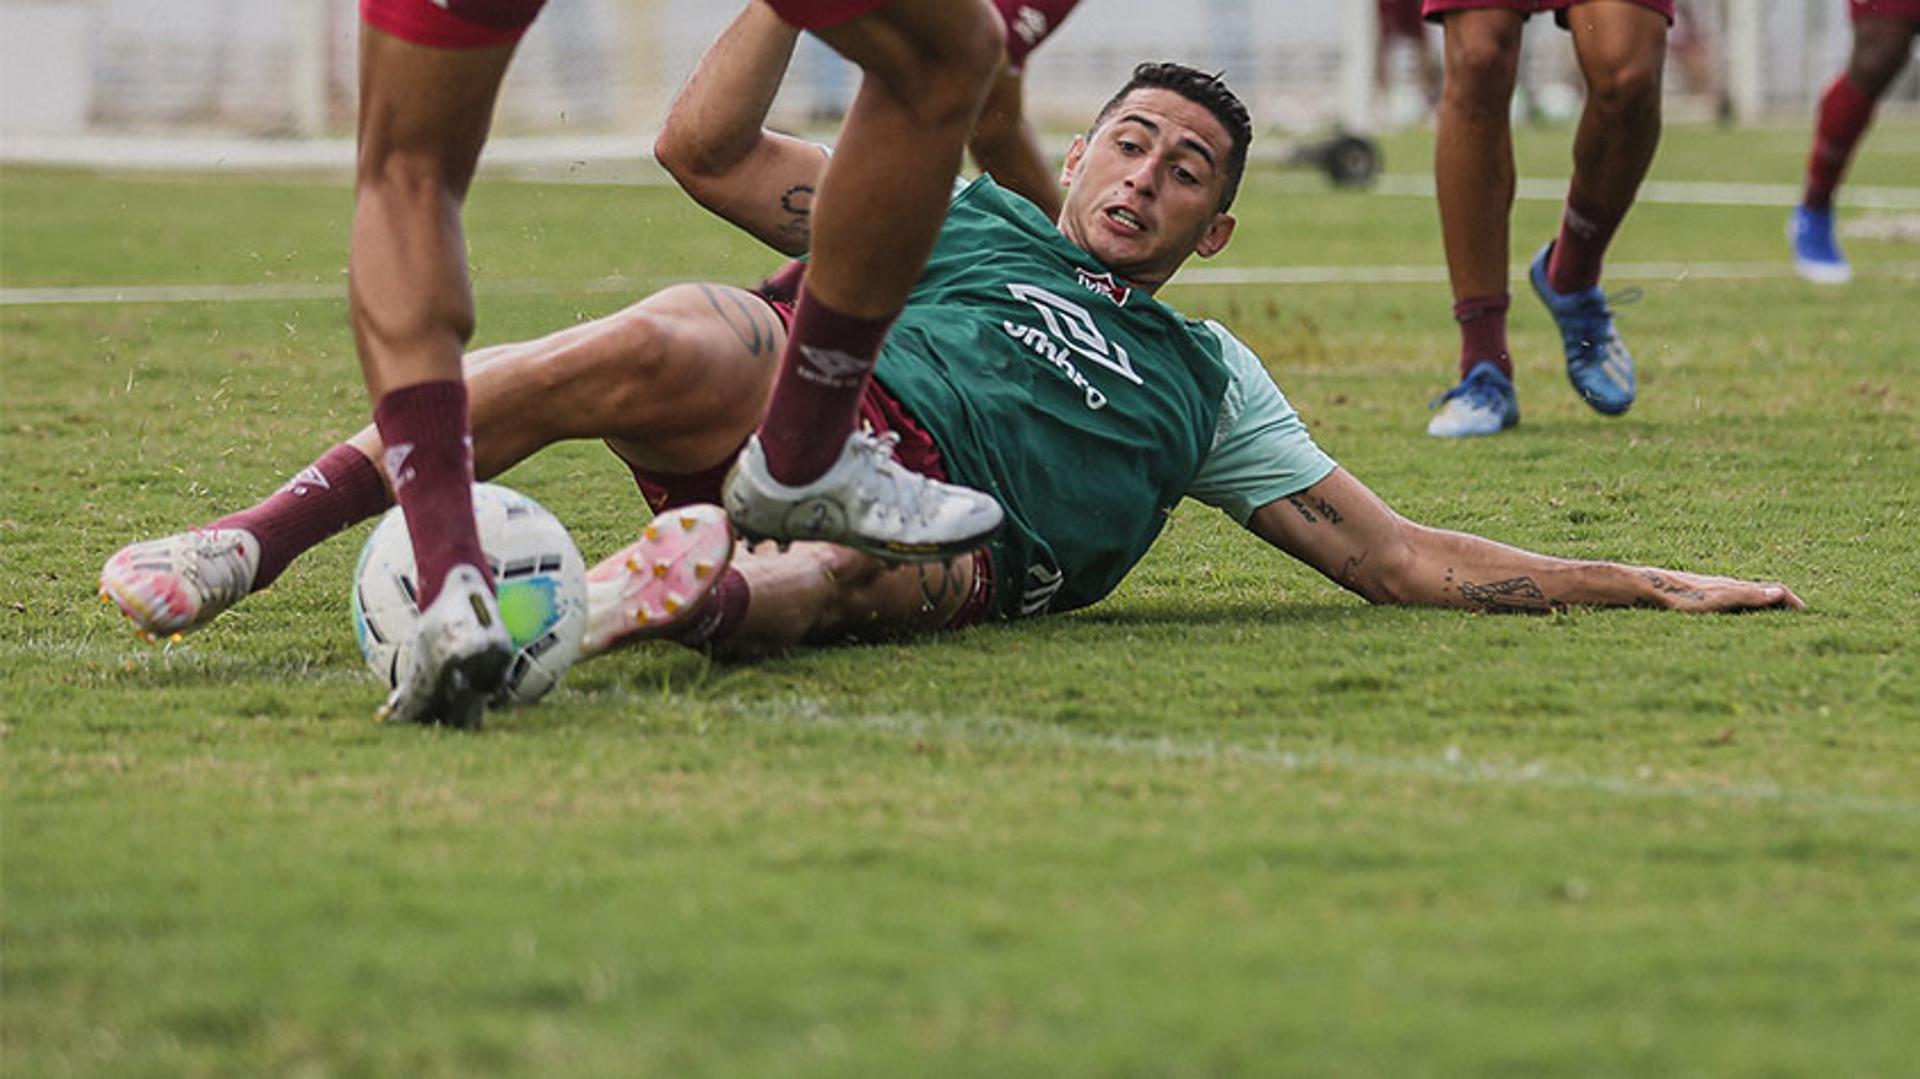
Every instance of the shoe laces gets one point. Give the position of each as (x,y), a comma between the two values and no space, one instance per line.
(889,484)
(217,567)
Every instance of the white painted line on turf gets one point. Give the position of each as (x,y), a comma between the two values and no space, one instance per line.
(1195,277)
(1676,192)
(1448,766)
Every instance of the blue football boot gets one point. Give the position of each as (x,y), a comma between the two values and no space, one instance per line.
(1483,404)
(1598,364)
(1816,251)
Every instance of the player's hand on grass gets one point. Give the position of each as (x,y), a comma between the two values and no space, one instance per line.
(1675,591)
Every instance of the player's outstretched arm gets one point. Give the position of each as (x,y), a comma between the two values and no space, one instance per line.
(1345,531)
(715,145)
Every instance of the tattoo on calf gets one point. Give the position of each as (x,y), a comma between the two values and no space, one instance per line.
(939,584)
(752,323)
(1352,569)
(1519,594)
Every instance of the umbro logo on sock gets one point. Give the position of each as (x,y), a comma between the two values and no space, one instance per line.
(395,462)
(831,367)
(309,477)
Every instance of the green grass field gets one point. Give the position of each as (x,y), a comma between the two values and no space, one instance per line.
(1232,821)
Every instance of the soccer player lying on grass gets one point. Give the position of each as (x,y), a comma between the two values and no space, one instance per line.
(1032,362)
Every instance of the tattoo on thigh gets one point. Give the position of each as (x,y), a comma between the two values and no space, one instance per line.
(751,323)
(1514,594)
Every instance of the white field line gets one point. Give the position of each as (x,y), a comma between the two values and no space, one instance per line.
(1449,766)
(637,286)
(1678,192)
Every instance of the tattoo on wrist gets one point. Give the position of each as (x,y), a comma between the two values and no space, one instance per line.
(1672,588)
(1516,594)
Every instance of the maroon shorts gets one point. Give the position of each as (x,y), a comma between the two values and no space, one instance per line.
(1908,10)
(460,24)
(1435,10)
(1401,18)
(821,14)
(1029,22)
(880,412)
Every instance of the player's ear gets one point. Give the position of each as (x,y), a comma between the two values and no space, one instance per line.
(1072,165)
(1214,240)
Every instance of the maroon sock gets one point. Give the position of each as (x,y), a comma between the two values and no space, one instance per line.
(723,613)
(1845,112)
(429,459)
(1483,332)
(340,489)
(1586,228)
(816,394)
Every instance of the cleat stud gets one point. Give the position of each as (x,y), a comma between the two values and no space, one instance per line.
(702,570)
(688,522)
(176,638)
(660,569)
(673,604)
(651,534)
(633,563)
(640,616)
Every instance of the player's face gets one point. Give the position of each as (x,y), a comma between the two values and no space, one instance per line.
(1143,190)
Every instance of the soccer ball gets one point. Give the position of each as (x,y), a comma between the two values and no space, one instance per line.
(538,575)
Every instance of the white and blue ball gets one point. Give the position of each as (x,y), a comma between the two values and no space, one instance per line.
(540,578)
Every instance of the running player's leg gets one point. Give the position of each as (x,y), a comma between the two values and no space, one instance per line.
(428,77)
(1474,179)
(927,65)
(1881,43)
(674,383)
(1621,47)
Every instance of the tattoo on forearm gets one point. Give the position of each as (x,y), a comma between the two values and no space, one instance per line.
(1351,570)
(1320,508)
(751,323)
(1519,594)
(798,201)
(1672,588)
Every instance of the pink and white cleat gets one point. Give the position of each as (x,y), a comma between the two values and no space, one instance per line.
(659,583)
(177,584)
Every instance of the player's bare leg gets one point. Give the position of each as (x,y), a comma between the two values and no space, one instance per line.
(1880,50)
(808,474)
(424,114)
(677,583)
(1621,47)
(673,384)
(1474,179)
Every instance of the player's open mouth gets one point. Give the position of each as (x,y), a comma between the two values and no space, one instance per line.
(1126,219)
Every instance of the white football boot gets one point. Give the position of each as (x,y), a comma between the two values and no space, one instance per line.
(177,584)
(460,654)
(867,501)
(660,582)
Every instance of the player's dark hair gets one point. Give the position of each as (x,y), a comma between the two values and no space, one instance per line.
(1209,91)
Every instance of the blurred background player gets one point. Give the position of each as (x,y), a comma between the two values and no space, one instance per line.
(1401,24)
(1883,33)
(808,472)
(1620,46)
